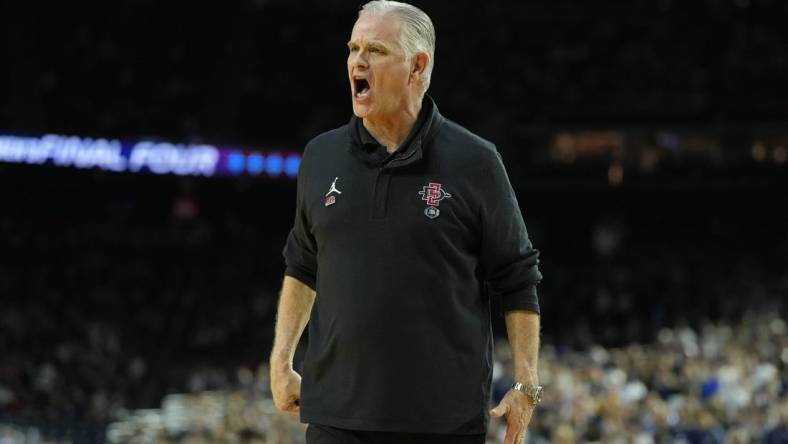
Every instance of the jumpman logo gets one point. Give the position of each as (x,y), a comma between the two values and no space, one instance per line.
(334,187)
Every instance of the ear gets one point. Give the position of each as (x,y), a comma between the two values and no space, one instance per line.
(419,66)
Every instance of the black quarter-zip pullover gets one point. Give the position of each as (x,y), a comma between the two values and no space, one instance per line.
(404,251)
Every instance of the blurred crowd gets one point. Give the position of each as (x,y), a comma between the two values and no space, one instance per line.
(122,290)
(720,383)
(109,303)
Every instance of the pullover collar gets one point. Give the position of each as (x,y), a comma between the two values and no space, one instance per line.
(373,154)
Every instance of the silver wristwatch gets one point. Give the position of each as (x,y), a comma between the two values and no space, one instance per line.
(535,393)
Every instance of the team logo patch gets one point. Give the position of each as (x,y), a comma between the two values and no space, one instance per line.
(432,212)
(433,193)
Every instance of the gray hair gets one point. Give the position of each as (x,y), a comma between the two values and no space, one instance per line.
(416,33)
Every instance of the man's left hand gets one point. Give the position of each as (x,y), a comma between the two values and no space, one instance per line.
(517,408)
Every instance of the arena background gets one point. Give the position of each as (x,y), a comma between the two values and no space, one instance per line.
(147,153)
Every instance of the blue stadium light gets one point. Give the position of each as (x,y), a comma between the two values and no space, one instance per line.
(255,163)
(291,165)
(235,162)
(274,164)
(144,156)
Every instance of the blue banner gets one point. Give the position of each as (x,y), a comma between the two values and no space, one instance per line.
(154,157)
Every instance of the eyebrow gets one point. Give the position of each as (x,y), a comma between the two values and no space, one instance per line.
(373,43)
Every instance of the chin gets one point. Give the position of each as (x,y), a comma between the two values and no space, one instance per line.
(361,110)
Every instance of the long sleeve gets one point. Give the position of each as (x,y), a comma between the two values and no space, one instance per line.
(300,250)
(509,261)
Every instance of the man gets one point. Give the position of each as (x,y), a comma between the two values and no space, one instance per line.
(405,225)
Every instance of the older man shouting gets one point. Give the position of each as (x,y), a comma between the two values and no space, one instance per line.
(406,225)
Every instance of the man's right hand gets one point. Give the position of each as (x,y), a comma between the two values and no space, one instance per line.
(286,390)
(295,306)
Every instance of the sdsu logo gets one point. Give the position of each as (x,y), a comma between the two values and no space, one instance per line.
(433,194)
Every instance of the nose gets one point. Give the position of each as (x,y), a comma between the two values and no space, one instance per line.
(359,59)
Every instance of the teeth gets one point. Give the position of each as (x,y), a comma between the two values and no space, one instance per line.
(361,86)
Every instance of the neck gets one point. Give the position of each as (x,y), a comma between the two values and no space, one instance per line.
(391,130)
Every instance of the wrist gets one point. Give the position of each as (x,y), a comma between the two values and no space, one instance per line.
(533,392)
(280,364)
(526,377)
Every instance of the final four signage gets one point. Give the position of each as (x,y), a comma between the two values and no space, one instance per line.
(148,156)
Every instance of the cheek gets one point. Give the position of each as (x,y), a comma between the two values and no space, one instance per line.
(393,77)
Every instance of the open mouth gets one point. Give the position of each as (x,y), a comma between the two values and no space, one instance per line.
(361,88)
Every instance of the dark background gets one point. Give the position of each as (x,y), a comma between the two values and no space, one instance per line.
(274,71)
(646,142)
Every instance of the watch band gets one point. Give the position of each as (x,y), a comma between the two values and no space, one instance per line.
(535,393)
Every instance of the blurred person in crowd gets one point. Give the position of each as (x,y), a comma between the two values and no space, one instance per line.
(779,434)
(251,436)
(405,224)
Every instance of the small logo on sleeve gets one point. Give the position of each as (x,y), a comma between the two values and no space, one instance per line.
(331,199)
(433,193)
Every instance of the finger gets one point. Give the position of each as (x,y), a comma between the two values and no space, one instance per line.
(515,428)
(500,410)
(512,433)
(523,430)
(293,405)
(280,404)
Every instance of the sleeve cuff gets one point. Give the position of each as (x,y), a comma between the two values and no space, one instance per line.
(525,299)
(298,273)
